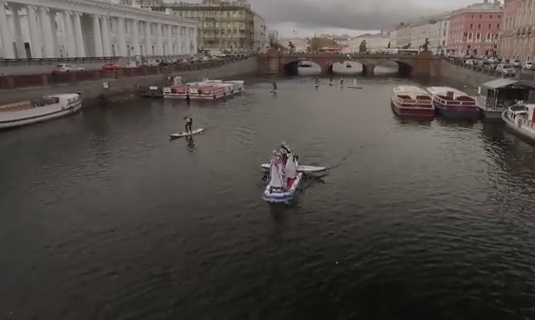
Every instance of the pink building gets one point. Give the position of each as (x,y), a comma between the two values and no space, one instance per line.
(474,30)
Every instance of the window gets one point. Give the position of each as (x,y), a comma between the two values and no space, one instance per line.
(480,16)
(478,36)
(491,16)
(472,17)
(498,26)
(499,17)
(479,26)
(471,25)
(490,26)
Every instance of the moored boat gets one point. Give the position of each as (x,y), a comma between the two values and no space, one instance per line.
(284,180)
(412,101)
(206,92)
(176,92)
(47,108)
(454,104)
(521,120)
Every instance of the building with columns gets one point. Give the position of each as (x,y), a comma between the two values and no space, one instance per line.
(223,25)
(434,30)
(517,40)
(90,28)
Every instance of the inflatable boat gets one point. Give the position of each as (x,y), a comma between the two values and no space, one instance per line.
(284,180)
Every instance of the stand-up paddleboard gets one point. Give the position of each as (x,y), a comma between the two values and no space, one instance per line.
(352,87)
(300,168)
(187,134)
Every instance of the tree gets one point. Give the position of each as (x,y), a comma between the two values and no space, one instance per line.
(362,47)
(388,46)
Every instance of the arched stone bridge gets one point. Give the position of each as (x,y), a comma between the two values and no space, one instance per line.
(423,64)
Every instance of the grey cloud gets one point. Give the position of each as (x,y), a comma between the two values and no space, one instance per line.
(349,14)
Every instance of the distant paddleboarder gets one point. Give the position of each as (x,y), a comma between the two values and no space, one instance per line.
(274,87)
(317,82)
(331,81)
(341,82)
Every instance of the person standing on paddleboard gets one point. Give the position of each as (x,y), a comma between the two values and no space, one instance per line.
(274,89)
(189,123)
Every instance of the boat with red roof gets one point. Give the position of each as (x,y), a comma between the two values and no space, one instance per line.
(454,104)
(412,101)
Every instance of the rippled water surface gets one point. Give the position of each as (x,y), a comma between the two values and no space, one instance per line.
(102,217)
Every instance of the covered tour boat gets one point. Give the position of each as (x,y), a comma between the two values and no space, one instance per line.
(284,179)
(521,120)
(180,91)
(412,101)
(47,108)
(498,95)
(207,92)
(454,104)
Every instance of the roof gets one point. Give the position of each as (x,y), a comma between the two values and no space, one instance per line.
(503,82)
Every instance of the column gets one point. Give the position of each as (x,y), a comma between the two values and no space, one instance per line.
(135,37)
(35,41)
(54,32)
(148,47)
(21,54)
(183,39)
(69,39)
(195,44)
(106,44)
(122,43)
(80,48)
(7,39)
(169,40)
(48,41)
(97,36)
(159,40)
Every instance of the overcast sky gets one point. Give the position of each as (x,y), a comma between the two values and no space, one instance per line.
(307,17)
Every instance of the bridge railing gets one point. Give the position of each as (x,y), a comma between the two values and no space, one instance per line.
(22,81)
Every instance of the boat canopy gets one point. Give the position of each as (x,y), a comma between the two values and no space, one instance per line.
(507,90)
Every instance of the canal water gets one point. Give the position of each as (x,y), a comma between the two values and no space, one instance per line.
(102,217)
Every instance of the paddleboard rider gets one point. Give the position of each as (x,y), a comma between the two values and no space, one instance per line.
(317,82)
(331,81)
(189,123)
(274,89)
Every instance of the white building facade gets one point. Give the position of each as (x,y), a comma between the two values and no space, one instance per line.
(404,36)
(434,30)
(261,33)
(90,28)
(374,42)
(393,38)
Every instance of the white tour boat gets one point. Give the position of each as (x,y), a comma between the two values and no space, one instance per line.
(47,108)
(204,90)
(521,120)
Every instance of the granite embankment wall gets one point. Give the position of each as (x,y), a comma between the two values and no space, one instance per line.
(120,85)
(461,75)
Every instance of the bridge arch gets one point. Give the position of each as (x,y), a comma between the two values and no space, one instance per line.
(346,67)
(291,68)
(404,69)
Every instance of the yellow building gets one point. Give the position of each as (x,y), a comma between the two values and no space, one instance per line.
(223,25)
(517,39)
